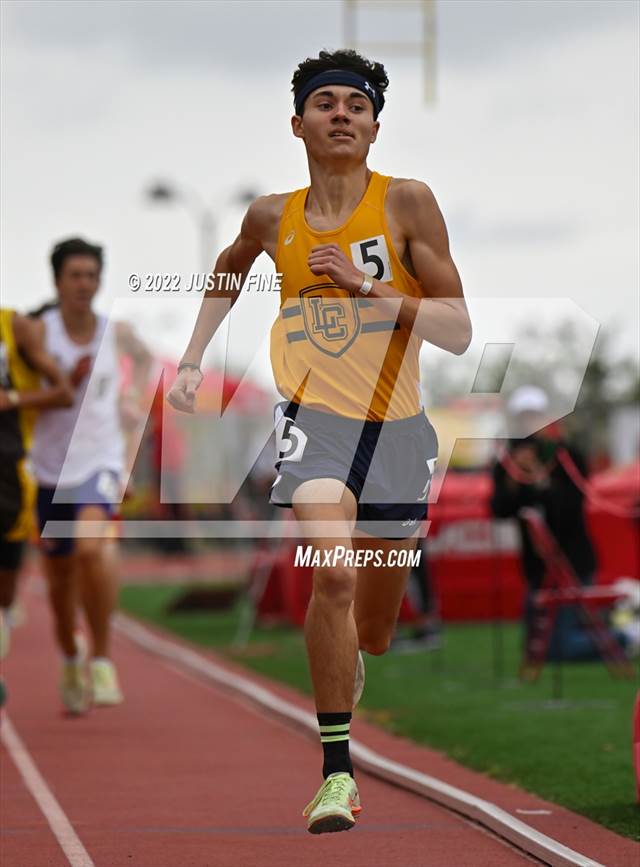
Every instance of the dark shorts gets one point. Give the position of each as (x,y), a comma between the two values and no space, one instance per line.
(11,493)
(387,465)
(99,490)
(17,499)
(11,555)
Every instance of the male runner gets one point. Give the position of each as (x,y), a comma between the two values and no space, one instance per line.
(22,360)
(78,456)
(360,255)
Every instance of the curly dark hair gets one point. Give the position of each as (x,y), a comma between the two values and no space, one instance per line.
(74,247)
(344,58)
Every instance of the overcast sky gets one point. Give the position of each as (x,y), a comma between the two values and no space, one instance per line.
(531,148)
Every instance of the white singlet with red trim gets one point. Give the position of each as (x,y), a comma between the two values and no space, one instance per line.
(72,444)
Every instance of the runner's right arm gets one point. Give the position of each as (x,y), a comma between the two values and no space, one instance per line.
(236,259)
(29,337)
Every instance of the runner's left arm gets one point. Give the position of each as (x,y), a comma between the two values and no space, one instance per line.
(441,316)
(132,416)
(130,345)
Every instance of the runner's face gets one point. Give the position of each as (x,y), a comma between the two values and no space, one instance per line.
(337,122)
(78,282)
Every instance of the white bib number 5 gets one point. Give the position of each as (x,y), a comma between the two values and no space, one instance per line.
(372,256)
(290,440)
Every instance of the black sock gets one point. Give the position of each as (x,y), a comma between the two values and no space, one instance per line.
(334,734)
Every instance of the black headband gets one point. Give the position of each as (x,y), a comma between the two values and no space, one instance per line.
(340,76)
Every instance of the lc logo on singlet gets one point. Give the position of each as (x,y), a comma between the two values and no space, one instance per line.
(331,318)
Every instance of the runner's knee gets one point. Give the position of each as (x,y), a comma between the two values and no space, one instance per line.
(374,638)
(335,583)
(89,547)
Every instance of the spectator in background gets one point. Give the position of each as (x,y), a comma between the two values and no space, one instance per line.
(530,474)
(426,628)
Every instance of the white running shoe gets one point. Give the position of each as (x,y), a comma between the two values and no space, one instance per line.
(358,686)
(104,683)
(74,687)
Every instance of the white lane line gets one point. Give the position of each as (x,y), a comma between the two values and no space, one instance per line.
(484,812)
(62,829)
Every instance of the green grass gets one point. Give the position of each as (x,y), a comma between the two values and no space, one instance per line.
(575,751)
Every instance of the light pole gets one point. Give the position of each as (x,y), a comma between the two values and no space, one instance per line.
(203,215)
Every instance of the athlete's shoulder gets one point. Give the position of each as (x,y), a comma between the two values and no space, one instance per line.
(410,193)
(413,205)
(26,330)
(47,319)
(264,214)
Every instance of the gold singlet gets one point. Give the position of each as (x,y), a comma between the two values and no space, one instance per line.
(332,350)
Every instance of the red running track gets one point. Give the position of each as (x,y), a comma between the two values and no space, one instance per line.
(184,775)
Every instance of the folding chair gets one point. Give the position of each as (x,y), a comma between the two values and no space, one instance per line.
(561,587)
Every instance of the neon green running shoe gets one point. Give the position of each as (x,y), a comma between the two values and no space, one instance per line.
(358,686)
(335,807)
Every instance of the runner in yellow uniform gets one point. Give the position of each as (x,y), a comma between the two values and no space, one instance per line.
(367,276)
(22,360)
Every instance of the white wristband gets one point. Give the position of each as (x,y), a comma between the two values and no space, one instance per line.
(367,285)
